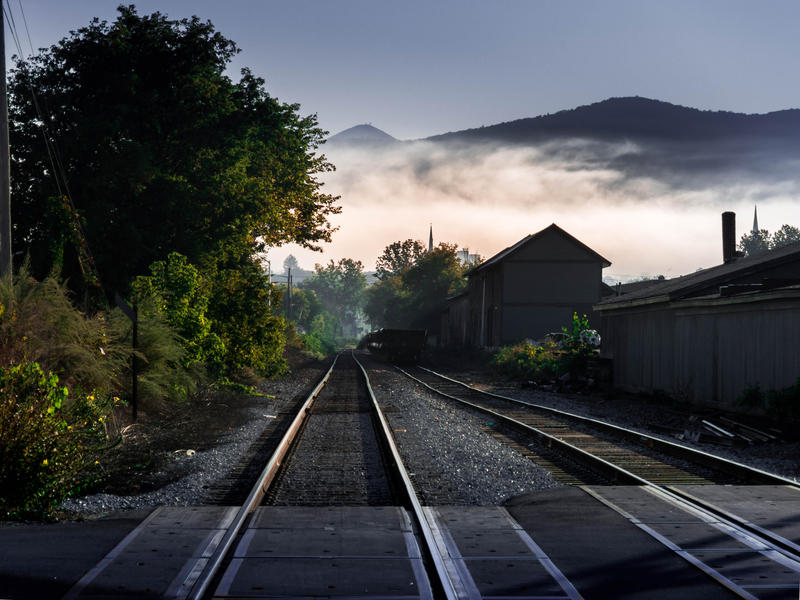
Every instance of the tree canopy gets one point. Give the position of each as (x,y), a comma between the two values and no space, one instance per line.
(397,257)
(159,151)
(339,287)
(761,241)
(413,296)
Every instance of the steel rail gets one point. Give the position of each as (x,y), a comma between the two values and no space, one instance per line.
(198,588)
(447,585)
(704,458)
(784,547)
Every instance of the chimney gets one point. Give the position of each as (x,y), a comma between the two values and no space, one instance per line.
(728,236)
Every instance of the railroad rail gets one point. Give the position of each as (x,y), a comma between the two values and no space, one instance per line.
(351,406)
(591,441)
(628,455)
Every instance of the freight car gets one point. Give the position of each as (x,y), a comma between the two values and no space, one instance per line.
(396,345)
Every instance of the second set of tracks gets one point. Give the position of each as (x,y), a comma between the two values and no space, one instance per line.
(334,511)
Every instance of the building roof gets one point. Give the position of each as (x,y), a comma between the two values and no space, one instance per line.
(503,254)
(707,281)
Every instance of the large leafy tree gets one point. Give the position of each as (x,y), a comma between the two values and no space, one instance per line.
(397,257)
(159,150)
(762,240)
(414,296)
(340,288)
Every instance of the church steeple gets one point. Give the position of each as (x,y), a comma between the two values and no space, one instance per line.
(430,239)
(755,220)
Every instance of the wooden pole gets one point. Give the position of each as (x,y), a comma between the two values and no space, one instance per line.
(5,166)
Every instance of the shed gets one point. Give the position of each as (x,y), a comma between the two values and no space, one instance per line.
(529,289)
(708,336)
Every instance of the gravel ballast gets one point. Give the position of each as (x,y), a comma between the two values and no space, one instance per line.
(450,456)
(646,416)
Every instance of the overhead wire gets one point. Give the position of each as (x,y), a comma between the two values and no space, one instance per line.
(53,154)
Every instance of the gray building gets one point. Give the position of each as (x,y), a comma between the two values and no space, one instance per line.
(526,291)
(708,336)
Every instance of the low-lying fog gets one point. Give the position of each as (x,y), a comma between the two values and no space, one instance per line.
(649,211)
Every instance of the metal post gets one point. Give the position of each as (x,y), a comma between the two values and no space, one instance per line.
(5,166)
(289,286)
(134,373)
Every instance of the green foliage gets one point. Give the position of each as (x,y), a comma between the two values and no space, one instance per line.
(92,356)
(528,361)
(340,290)
(413,297)
(387,303)
(761,241)
(565,354)
(787,234)
(40,324)
(48,445)
(240,314)
(162,374)
(182,293)
(397,257)
(162,150)
(305,306)
(782,405)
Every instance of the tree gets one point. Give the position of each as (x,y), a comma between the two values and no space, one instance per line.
(340,288)
(787,234)
(290,263)
(398,257)
(414,297)
(755,242)
(160,151)
(436,276)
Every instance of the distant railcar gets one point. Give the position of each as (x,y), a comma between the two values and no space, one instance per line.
(396,345)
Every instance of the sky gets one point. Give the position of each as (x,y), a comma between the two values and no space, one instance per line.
(419,68)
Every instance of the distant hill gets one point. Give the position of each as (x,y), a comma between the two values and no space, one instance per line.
(636,118)
(362,135)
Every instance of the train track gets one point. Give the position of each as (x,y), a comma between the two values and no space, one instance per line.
(621,454)
(339,450)
(660,468)
(337,476)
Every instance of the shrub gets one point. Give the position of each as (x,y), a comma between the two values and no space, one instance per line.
(182,294)
(570,354)
(48,445)
(780,405)
(162,371)
(241,315)
(529,361)
(40,324)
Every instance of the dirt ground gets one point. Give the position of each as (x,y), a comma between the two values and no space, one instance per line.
(140,460)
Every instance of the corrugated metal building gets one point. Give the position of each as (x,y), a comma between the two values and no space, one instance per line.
(526,291)
(707,336)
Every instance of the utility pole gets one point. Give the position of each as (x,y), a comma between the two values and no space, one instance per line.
(289,286)
(5,165)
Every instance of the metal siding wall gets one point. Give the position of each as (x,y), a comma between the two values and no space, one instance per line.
(707,354)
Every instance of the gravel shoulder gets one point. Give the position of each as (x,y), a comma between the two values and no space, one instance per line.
(173,459)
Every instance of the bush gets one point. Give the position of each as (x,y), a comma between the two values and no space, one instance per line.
(241,315)
(161,365)
(182,294)
(570,354)
(40,324)
(529,361)
(48,444)
(780,405)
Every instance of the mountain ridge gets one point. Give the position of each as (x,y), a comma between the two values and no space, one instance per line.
(633,117)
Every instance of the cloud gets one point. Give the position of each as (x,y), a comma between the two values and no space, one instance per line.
(649,209)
